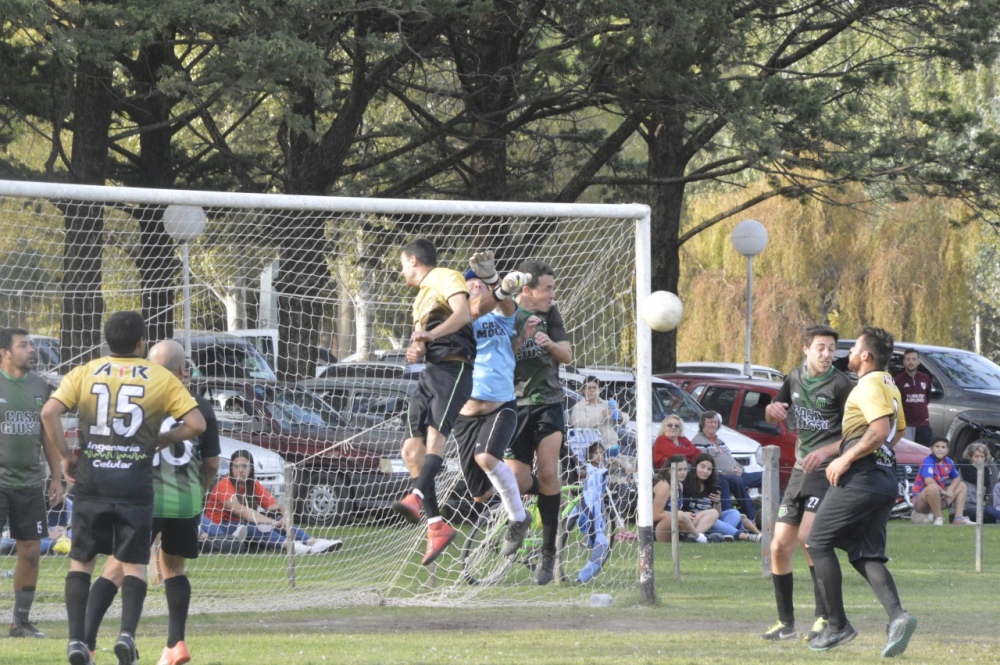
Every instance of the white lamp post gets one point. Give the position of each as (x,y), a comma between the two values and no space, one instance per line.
(184,224)
(749,239)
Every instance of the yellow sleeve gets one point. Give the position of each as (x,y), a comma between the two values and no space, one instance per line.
(68,391)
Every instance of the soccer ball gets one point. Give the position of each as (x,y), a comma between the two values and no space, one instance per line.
(661,310)
(921,518)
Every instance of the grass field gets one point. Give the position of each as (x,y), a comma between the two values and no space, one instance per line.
(713,615)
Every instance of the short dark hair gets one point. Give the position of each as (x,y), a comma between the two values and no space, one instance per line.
(878,342)
(123,331)
(819,330)
(423,251)
(536,268)
(909,351)
(7,336)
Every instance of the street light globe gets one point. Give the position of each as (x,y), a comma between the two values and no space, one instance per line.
(184,223)
(749,237)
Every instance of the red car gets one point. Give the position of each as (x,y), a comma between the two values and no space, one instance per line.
(742,401)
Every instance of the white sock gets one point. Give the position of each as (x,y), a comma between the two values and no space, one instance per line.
(505,482)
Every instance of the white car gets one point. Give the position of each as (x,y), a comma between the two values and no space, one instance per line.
(667,398)
(712,367)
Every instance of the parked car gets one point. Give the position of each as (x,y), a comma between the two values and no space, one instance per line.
(375,369)
(742,401)
(219,354)
(712,367)
(47,352)
(367,401)
(344,472)
(666,399)
(964,386)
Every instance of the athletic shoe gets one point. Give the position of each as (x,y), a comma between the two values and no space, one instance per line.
(962,519)
(125,650)
(701,539)
(176,655)
(727,538)
(439,536)
(240,533)
(715,538)
(321,545)
(898,634)
(938,521)
(301,548)
(409,508)
(543,570)
(779,632)
(818,625)
(516,531)
(752,538)
(26,629)
(78,654)
(831,637)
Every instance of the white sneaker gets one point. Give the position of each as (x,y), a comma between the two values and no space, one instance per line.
(702,538)
(302,548)
(322,545)
(938,521)
(240,534)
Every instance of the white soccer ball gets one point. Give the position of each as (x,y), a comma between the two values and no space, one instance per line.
(921,518)
(662,311)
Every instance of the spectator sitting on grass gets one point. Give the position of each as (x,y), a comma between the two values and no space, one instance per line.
(702,494)
(939,486)
(978,452)
(688,523)
(233,508)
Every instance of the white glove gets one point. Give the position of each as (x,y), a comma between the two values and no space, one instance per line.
(482,264)
(511,284)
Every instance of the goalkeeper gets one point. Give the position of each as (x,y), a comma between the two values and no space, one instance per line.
(486,422)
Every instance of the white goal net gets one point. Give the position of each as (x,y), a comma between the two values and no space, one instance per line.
(296,318)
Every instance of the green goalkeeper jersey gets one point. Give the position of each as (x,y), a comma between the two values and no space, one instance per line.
(178,489)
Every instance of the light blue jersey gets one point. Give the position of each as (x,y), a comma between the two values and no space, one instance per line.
(493,372)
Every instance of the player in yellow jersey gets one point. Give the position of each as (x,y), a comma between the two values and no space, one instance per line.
(122,400)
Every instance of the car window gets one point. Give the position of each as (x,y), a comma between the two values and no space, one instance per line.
(967,370)
(668,398)
(295,409)
(719,399)
(751,411)
(375,407)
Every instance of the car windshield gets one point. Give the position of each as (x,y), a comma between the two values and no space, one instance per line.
(668,398)
(967,370)
(296,409)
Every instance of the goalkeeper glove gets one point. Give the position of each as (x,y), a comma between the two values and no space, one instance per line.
(482,264)
(511,284)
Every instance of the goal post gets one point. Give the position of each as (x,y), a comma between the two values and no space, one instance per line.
(321,276)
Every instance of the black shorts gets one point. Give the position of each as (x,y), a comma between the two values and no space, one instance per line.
(26,508)
(804,494)
(490,433)
(442,390)
(179,535)
(106,527)
(534,423)
(854,521)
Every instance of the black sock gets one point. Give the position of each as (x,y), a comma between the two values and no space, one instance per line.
(548,510)
(881,582)
(533,488)
(23,600)
(77,591)
(783,596)
(830,582)
(425,483)
(178,591)
(102,594)
(820,610)
(133,597)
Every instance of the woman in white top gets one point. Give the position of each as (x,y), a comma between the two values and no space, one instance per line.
(594,413)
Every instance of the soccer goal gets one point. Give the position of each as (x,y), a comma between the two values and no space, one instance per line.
(268,293)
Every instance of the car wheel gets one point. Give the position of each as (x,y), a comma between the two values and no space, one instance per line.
(322,499)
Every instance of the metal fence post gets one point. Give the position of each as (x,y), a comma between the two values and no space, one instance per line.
(770,498)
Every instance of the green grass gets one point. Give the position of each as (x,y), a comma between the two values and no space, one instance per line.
(713,614)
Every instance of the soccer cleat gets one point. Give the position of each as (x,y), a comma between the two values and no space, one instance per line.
(26,629)
(831,637)
(778,632)
(409,508)
(126,650)
(439,536)
(898,634)
(516,531)
(818,625)
(543,570)
(321,545)
(78,654)
(175,655)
